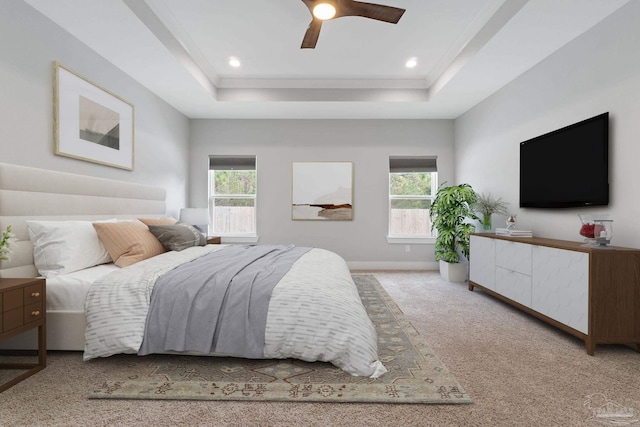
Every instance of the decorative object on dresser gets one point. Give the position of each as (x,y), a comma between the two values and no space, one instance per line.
(597,229)
(487,206)
(591,293)
(90,122)
(449,211)
(513,232)
(22,308)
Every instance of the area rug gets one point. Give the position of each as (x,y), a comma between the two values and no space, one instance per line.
(416,374)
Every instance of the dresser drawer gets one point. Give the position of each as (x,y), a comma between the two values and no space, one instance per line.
(513,285)
(33,312)
(514,256)
(12,300)
(22,308)
(33,293)
(12,319)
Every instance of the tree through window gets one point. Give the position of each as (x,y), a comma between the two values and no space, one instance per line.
(232,195)
(412,188)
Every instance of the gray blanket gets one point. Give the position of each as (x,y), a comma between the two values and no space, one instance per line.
(217,303)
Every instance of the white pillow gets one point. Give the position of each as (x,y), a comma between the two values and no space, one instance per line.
(61,247)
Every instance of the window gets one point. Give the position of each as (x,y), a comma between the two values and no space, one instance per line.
(232,195)
(413,182)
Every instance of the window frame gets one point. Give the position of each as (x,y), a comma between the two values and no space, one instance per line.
(232,237)
(411,238)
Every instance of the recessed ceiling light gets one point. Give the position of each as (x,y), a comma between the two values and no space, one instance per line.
(324,11)
(234,62)
(411,63)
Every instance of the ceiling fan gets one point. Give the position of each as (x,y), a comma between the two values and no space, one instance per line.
(323,10)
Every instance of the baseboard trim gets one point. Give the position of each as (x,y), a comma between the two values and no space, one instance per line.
(384,265)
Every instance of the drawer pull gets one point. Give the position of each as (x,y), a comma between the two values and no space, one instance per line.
(35,313)
(35,294)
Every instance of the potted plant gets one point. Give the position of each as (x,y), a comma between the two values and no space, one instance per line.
(488,205)
(449,213)
(6,241)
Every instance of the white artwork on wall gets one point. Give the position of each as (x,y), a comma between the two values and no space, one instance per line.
(322,191)
(90,122)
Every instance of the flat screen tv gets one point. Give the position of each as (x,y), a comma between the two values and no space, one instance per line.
(568,167)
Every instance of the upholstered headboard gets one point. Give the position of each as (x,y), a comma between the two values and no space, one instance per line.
(31,193)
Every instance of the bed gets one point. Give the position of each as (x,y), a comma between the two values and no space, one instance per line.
(30,195)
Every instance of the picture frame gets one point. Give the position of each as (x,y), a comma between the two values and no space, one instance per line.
(322,191)
(91,123)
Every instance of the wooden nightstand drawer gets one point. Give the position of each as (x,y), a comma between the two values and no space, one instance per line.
(33,312)
(12,299)
(12,319)
(22,307)
(33,293)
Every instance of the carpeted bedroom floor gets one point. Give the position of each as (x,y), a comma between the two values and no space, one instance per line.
(518,371)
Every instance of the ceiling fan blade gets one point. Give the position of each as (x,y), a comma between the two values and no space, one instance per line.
(310,4)
(378,12)
(311,36)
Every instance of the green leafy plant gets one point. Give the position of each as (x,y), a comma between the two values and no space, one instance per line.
(488,205)
(5,243)
(449,213)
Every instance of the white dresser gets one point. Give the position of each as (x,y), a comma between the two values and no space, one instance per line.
(591,293)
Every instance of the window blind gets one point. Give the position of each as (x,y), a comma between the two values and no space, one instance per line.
(399,164)
(232,163)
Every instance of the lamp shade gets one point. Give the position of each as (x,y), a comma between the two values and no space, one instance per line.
(198,217)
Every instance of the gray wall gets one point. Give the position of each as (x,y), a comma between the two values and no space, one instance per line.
(595,73)
(29,43)
(367,143)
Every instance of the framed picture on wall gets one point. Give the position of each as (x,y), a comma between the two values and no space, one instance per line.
(322,191)
(90,122)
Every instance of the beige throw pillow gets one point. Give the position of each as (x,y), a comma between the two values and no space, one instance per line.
(128,242)
(158,221)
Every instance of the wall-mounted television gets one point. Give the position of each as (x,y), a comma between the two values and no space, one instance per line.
(568,167)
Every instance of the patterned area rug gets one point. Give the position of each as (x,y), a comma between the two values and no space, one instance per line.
(416,374)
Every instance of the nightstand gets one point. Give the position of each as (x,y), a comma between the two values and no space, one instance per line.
(23,307)
(214,240)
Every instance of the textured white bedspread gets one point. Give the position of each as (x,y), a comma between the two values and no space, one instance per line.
(315,312)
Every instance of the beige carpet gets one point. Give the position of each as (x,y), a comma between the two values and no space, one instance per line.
(519,371)
(416,374)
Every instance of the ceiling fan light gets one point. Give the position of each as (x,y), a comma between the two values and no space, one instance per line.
(324,11)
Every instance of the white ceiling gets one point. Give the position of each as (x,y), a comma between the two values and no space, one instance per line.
(466,50)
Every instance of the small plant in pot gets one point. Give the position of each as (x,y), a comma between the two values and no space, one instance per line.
(487,206)
(449,213)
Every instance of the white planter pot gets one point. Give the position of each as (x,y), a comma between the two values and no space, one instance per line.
(456,272)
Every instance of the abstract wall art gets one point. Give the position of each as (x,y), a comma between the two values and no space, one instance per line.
(322,191)
(91,123)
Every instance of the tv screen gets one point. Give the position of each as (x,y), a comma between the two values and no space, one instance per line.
(568,167)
